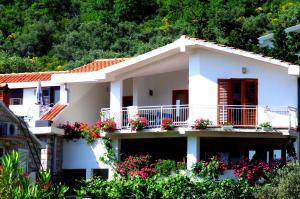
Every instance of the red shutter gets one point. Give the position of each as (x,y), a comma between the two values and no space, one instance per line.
(224,90)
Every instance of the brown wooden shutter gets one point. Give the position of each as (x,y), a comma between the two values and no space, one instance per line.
(224,90)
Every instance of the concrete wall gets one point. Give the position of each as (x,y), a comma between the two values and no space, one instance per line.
(77,154)
(85,103)
(275,87)
(162,86)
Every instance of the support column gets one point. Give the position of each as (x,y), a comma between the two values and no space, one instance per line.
(64,94)
(116,94)
(116,145)
(193,151)
(195,93)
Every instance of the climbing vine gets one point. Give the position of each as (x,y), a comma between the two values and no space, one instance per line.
(109,157)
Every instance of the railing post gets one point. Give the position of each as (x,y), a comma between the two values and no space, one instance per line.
(223,114)
(256,116)
(161,115)
(290,122)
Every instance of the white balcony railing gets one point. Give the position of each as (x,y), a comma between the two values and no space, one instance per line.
(185,115)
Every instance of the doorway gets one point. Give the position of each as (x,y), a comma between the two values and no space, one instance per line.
(244,100)
(180,100)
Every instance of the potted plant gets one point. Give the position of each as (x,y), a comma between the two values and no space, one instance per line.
(227,126)
(108,125)
(167,124)
(138,123)
(266,126)
(201,123)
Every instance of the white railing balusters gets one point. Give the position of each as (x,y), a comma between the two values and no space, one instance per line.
(246,116)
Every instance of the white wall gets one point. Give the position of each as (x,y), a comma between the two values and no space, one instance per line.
(80,155)
(275,87)
(162,86)
(85,103)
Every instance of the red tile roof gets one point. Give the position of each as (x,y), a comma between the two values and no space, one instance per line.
(25,77)
(53,112)
(98,64)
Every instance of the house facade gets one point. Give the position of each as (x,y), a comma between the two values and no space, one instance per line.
(15,136)
(184,81)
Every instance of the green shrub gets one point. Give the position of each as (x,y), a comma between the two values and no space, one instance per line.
(167,167)
(14,182)
(284,184)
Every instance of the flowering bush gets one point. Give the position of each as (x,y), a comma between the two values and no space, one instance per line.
(135,165)
(81,130)
(138,123)
(167,124)
(71,131)
(108,125)
(211,169)
(91,133)
(252,170)
(201,123)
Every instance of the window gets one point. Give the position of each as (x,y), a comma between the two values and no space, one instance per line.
(251,154)
(277,154)
(3,128)
(15,101)
(16,97)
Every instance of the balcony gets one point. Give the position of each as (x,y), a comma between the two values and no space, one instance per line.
(185,115)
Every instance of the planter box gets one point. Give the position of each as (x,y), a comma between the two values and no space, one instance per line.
(227,127)
(266,128)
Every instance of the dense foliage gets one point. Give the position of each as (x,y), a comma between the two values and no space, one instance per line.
(283,182)
(54,35)
(15,183)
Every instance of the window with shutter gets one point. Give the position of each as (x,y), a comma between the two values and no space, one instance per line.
(237,100)
(223,99)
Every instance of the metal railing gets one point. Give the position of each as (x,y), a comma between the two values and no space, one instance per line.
(185,115)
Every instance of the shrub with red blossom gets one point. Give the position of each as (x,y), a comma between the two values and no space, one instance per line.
(81,130)
(138,123)
(71,131)
(91,133)
(252,170)
(108,125)
(135,165)
(201,123)
(167,124)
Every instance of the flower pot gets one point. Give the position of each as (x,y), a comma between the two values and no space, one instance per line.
(266,128)
(227,127)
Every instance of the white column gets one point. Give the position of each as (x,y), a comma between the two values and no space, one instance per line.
(63,93)
(116,94)
(116,145)
(194,87)
(193,151)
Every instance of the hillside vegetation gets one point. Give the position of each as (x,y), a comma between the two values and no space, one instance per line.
(40,35)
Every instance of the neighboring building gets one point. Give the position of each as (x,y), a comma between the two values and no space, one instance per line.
(14,135)
(266,40)
(18,92)
(185,80)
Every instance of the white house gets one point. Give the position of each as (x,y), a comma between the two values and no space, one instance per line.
(266,40)
(184,81)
